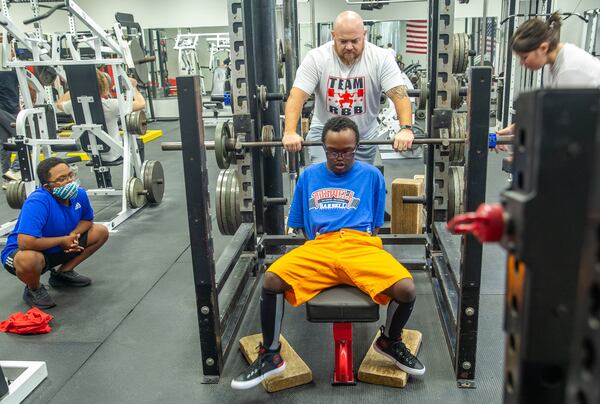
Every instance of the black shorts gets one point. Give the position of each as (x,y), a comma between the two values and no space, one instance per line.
(52,260)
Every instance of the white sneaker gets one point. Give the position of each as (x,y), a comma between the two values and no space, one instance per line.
(4,185)
(11,175)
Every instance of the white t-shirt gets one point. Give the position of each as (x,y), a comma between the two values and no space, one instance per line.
(353,91)
(573,67)
(111,116)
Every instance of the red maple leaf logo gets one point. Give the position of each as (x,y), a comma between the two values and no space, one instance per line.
(346,98)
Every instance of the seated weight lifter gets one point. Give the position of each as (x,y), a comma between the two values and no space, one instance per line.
(339,206)
(54,232)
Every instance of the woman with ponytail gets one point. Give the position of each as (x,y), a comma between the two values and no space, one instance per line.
(537,44)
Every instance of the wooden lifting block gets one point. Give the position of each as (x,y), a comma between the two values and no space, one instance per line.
(406,218)
(421,217)
(296,372)
(377,369)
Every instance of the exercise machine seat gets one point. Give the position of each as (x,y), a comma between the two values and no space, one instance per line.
(342,303)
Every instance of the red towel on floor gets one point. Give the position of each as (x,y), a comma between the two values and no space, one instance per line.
(34,321)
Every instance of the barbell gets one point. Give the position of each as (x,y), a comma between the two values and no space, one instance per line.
(231,145)
(420,93)
(226,145)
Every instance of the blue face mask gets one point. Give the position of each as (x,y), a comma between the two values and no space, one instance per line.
(68,191)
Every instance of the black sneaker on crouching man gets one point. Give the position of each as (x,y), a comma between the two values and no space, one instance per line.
(399,353)
(38,297)
(268,364)
(69,278)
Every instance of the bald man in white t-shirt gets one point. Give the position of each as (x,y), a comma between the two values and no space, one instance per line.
(347,76)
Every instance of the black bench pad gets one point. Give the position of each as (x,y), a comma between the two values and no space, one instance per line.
(342,303)
(65,147)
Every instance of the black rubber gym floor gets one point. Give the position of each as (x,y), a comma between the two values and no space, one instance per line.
(133,335)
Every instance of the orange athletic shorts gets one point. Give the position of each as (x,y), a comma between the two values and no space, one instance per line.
(343,257)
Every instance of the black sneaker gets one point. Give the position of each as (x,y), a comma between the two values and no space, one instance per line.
(38,298)
(399,353)
(268,364)
(69,278)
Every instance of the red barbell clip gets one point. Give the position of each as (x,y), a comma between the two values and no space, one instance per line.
(486,223)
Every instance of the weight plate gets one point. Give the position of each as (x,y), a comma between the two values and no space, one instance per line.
(10,195)
(141,67)
(220,151)
(229,202)
(460,175)
(457,150)
(455,191)
(142,122)
(262,98)
(135,195)
(451,193)
(136,123)
(453,87)
(462,65)
(281,60)
(422,85)
(235,214)
(460,53)
(218,198)
(229,215)
(238,202)
(231,137)
(465,53)
(223,135)
(225,203)
(266,135)
(455,49)
(153,178)
(16,194)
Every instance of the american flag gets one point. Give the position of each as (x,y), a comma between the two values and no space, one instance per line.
(416,36)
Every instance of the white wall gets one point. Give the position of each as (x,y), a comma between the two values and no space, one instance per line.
(210,13)
(149,13)
(326,10)
(572,28)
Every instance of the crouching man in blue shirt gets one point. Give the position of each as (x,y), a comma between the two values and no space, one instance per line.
(55,231)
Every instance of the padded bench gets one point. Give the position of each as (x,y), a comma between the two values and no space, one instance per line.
(342,305)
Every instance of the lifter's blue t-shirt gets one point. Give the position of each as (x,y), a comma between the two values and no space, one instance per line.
(324,202)
(43,216)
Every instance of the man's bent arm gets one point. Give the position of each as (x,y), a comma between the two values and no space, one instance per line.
(293,109)
(27,242)
(401,101)
(82,227)
(61,101)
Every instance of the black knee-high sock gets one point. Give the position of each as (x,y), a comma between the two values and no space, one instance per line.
(397,315)
(271,315)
